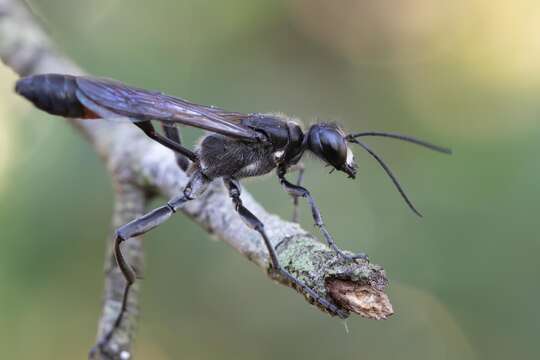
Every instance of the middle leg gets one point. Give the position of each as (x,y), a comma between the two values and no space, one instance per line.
(254,223)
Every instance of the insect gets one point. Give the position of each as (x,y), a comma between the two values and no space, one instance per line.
(238,146)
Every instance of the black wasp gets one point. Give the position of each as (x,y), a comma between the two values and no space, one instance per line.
(239,145)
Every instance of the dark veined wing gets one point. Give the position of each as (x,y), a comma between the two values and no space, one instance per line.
(109,98)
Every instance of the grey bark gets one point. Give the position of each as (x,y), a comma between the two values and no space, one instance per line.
(139,167)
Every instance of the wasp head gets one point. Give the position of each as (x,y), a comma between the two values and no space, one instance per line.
(329,143)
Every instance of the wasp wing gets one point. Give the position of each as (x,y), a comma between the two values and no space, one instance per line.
(109,98)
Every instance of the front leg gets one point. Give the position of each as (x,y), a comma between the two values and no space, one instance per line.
(300,168)
(299,191)
(254,223)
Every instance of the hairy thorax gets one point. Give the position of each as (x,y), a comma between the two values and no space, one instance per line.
(224,157)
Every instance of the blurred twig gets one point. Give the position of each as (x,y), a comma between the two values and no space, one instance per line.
(139,167)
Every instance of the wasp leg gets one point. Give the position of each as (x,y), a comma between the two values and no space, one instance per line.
(254,223)
(298,191)
(149,130)
(173,133)
(196,186)
(296,210)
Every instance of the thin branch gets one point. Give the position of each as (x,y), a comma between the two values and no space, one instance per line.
(138,166)
(129,203)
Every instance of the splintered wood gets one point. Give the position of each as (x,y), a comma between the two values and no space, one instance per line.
(360,299)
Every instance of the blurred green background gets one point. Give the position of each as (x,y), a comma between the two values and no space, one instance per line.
(464,279)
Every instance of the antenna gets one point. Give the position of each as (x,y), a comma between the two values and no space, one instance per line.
(389,173)
(410,139)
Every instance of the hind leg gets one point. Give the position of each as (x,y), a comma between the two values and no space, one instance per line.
(173,133)
(195,187)
(149,130)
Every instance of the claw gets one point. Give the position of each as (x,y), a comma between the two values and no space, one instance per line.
(97,349)
(360,256)
(101,349)
(328,306)
(357,256)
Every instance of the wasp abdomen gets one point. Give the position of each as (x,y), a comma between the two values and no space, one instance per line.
(53,93)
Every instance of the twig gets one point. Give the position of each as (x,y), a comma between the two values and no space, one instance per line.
(139,166)
(129,204)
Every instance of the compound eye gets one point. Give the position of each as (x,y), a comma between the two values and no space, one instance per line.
(334,148)
(339,155)
(330,145)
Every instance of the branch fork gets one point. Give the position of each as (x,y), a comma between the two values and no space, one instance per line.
(140,169)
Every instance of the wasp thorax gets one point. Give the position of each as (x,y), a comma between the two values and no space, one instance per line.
(328,142)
